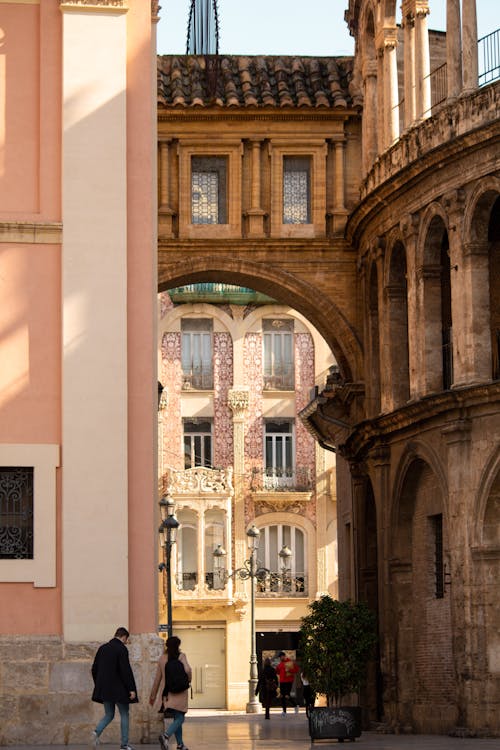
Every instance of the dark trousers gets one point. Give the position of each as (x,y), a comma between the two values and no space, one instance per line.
(285,690)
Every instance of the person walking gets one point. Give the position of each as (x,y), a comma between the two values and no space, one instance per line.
(309,695)
(267,686)
(114,685)
(178,676)
(286,671)
(156,695)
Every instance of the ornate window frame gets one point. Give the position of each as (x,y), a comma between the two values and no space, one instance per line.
(41,570)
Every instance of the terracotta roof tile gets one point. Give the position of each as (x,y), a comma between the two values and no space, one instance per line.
(256,81)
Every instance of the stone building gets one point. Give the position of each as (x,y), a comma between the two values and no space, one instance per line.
(360,193)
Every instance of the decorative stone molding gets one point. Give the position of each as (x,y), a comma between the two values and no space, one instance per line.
(200,481)
(119,6)
(37,233)
(238,400)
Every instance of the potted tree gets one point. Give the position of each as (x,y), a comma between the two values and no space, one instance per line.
(337,639)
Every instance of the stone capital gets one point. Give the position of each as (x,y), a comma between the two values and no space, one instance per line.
(238,399)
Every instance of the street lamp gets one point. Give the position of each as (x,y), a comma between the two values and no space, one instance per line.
(167,531)
(250,570)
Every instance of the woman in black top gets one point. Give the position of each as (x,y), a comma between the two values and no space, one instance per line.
(267,686)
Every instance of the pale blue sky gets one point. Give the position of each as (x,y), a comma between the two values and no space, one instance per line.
(278,27)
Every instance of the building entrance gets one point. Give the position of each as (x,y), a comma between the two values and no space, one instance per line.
(205,650)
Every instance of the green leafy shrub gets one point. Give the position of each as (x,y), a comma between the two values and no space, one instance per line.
(337,640)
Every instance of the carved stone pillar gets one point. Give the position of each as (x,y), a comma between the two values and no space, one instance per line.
(255,213)
(422,62)
(238,399)
(165,212)
(409,226)
(454,204)
(391,95)
(477,333)
(408,23)
(369,120)
(453,47)
(339,209)
(469,45)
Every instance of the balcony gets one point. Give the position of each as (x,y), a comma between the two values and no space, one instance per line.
(218,294)
(271,479)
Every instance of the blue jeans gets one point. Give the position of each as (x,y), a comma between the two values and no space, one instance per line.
(176,726)
(109,715)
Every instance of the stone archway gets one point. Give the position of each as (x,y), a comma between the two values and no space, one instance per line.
(281,286)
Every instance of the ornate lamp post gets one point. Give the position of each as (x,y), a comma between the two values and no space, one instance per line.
(167,531)
(250,570)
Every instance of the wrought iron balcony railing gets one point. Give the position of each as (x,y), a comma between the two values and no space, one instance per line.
(198,378)
(218,293)
(271,479)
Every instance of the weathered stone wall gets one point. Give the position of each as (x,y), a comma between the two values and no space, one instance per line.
(46,687)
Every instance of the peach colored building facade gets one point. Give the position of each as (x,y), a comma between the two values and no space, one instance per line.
(77,342)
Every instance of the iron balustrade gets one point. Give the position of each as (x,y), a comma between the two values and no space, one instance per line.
(274,479)
(489,57)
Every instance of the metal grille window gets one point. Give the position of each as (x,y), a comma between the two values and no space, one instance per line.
(279,371)
(197,444)
(208,190)
(278,454)
(296,190)
(196,353)
(16,513)
(437,527)
(289,581)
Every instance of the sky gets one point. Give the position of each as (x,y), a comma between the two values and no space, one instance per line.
(297,27)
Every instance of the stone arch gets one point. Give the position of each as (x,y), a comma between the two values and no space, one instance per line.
(435,278)
(396,291)
(482,252)
(282,286)
(369,75)
(487,520)
(421,602)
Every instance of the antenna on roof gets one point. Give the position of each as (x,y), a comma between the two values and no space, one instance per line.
(203,28)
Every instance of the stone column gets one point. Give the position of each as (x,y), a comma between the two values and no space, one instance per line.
(409,226)
(462,490)
(477,333)
(369,120)
(238,399)
(469,45)
(339,209)
(454,204)
(391,95)
(453,48)
(165,227)
(422,63)
(409,66)
(255,213)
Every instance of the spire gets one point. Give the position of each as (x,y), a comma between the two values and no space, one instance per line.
(203,28)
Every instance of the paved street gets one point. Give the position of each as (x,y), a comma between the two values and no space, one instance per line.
(226,731)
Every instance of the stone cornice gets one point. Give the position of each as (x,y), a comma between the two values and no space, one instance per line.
(365,434)
(465,126)
(191,114)
(36,233)
(108,6)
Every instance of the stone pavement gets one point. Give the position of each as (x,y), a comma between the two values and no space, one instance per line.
(205,730)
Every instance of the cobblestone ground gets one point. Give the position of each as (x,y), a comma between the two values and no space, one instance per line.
(226,731)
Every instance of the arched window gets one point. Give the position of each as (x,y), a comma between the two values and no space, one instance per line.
(288,576)
(187,550)
(214,536)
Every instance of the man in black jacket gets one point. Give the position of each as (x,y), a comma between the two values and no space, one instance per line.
(114,685)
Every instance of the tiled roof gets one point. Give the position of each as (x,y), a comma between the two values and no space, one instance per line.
(256,81)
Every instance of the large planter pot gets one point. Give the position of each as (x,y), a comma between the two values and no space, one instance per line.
(338,723)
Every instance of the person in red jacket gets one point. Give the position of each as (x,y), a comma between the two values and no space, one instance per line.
(286,671)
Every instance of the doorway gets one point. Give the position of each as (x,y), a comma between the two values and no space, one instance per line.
(206,653)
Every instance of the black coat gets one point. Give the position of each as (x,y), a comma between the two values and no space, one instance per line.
(112,673)
(267,685)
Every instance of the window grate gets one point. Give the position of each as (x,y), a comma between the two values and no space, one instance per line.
(16,513)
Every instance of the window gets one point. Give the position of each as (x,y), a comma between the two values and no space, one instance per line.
(288,579)
(208,190)
(214,535)
(278,454)
(196,353)
(187,551)
(197,443)
(278,355)
(437,528)
(296,190)
(16,513)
